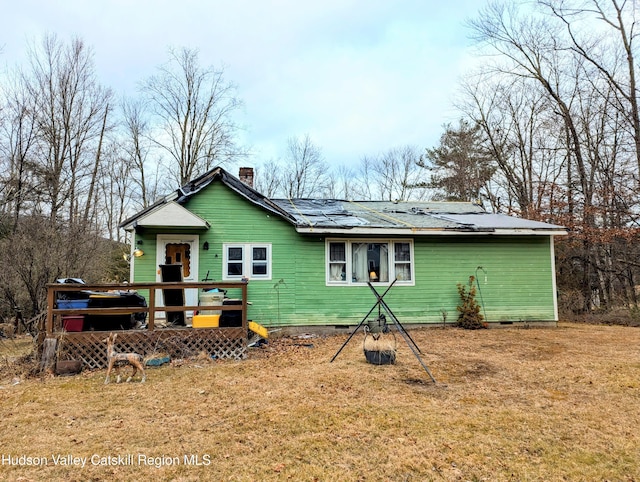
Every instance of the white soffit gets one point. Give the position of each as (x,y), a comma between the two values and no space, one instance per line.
(172,215)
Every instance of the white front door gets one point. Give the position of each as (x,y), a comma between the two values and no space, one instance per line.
(179,248)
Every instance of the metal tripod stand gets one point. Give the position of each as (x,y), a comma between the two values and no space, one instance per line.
(381,303)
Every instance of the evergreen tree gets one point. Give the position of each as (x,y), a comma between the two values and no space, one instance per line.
(460,166)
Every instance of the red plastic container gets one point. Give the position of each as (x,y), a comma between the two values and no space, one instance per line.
(73,322)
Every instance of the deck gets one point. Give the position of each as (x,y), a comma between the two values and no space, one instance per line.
(156,338)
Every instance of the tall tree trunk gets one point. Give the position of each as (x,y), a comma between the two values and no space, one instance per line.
(96,167)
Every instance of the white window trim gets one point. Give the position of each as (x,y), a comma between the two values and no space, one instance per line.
(348,254)
(247,261)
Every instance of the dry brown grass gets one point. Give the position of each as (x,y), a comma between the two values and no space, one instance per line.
(512,404)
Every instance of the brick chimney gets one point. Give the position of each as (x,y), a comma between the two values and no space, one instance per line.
(246,176)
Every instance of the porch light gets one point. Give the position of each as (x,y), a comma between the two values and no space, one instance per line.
(138,251)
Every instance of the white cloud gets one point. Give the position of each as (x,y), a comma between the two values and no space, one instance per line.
(359,76)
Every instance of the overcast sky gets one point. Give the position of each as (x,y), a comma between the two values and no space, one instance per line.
(358,76)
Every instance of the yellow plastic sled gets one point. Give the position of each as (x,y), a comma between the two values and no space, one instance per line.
(258,329)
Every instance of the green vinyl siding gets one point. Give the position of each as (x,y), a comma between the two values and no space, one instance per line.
(514,284)
(518,284)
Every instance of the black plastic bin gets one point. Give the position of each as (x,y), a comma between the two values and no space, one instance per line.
(109,322)
(231,318)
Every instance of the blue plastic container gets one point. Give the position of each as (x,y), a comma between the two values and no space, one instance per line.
(72,304)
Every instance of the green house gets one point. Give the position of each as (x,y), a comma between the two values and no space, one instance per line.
(309,261)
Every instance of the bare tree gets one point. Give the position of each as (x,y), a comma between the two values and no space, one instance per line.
(117,191)
(193,107)
(137,147)
(611,53)
(398,174)
(392,175)
(58,119)
(91,205)
(17,144)
(305,172)
(268,178)
(69,108)
(520,136)
(530,46)
(342,183)
(366,177)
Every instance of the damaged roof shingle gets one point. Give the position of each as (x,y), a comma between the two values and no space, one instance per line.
(328,214)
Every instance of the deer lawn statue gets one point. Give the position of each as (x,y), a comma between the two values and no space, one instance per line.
(118,359)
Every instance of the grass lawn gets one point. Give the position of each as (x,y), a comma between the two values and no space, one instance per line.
(510,404)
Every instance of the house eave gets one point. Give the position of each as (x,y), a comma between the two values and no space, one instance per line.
(427,231)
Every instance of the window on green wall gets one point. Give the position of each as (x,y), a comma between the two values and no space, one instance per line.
(354,262)
(246,260)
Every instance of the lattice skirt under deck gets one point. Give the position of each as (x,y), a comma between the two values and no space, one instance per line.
(91,347)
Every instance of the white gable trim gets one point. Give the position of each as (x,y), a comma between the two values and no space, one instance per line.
(171,215)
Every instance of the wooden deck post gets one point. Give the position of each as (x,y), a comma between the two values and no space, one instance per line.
(244,306)
(50,301)
(152,309)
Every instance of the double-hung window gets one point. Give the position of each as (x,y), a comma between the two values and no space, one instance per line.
(246,260)
(354,262)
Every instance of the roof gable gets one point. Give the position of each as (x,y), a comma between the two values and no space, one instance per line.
(171,215)
(192,188)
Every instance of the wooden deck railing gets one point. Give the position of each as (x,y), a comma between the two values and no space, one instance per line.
(151,309)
